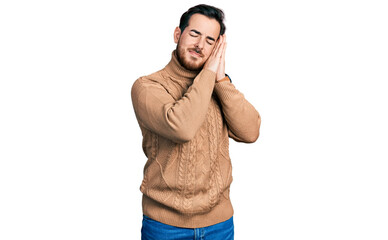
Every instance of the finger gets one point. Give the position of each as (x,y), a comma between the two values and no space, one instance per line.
(214,50)
(223,47)
(222,56)
(218,42)
(219,47)
(216,47)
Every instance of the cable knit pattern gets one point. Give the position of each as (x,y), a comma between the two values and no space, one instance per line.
(190,180)
(185,131)
(154,148)
(178,202)
(215,177)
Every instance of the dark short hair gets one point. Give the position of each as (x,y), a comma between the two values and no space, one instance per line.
(208,11)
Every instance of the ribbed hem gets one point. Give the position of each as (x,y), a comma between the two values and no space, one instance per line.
(158,212)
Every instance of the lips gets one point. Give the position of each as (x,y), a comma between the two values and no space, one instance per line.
(194,53)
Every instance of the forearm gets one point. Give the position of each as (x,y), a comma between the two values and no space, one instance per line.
(242,118)
(177,120)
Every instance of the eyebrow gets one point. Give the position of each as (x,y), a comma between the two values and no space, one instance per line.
(199,33)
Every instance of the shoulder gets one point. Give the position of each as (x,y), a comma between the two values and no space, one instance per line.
(154,78)
(154,81)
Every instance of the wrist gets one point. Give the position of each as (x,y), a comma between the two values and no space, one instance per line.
(224,79)
(220,76)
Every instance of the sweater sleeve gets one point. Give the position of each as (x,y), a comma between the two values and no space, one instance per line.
(241,117)
(157,111)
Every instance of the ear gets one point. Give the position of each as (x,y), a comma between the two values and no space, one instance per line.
(177,34)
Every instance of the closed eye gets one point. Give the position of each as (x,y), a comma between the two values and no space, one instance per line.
(195,33)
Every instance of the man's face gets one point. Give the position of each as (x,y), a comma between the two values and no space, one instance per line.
(197,41)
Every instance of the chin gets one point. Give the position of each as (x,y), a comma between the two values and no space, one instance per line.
(189,62)
(193,65)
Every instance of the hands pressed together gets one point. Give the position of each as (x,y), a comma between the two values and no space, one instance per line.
(216,60)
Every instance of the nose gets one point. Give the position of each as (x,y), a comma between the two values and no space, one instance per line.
(201,43)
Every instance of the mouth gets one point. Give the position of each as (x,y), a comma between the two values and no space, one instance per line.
(195,53)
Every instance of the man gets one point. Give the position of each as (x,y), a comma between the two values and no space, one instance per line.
(187,112)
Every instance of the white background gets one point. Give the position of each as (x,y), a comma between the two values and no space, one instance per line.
(70,147)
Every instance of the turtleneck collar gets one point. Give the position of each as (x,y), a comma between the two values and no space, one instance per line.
(177,70)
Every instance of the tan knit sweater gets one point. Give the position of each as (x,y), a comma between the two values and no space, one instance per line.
(186,120)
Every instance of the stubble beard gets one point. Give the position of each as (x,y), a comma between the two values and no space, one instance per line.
(187,63)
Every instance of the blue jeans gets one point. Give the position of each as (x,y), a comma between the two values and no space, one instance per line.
(153,230)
